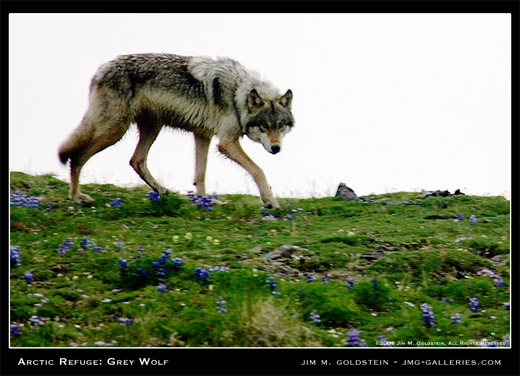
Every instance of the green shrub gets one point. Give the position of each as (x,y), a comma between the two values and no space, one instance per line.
(332,302)
(366,295)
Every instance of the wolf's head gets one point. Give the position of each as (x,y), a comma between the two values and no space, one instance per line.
(269,119)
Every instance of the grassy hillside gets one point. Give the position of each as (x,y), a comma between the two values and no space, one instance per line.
(247,276)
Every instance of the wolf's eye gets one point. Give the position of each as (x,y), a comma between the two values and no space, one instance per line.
(263,126)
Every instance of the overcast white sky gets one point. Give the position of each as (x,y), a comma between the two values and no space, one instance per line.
(382,102)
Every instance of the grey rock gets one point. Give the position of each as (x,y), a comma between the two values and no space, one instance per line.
(346,192)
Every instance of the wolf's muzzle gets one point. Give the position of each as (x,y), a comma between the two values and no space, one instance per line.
(275,149)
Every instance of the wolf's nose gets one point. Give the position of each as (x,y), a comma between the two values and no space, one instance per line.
(275,149)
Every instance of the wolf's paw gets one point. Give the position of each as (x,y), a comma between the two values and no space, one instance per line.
(271,203)
(161,190)
(82,197)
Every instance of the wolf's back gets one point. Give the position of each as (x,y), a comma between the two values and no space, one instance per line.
(127,74)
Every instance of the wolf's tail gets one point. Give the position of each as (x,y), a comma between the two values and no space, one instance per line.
(66,150)
(75,144)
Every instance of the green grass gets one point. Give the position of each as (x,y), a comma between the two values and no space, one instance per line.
(420,261)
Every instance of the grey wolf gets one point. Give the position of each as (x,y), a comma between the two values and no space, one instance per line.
(205,96)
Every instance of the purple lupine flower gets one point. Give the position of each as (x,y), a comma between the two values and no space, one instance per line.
(67,244)
(98,249)
(374,284)
(498,281)
(201,274)
(141,271)
(116,203)
(507,306)
(474,305)
(49,207)
(17,199)
(263,211)
(202,202)
(166,251)
(161,287)
(350,283)
(221,305)
(15,330)
(472,219)
(160,272)
(153,196)
(177,262)
(32,203)
(124,321)
(353,338)
(289,216)
(487,272)
(35,320)
(325,278)
(118,245)
(206,203)
(141,249)
(460,217)
(315,318)
(162,259)
(308,278)
(28,277)
(302,294)
(84,244)
(123,263)
(455,318)
(270,283)
(14,252)
(427,314)
(384,342)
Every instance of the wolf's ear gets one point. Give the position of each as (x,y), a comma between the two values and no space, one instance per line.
(254,100)
(286,99)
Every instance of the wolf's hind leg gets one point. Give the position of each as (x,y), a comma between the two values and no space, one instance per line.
(92,141)
(234,151)
(148,132)
(201,159)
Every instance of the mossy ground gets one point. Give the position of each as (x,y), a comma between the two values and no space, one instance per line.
(82,295)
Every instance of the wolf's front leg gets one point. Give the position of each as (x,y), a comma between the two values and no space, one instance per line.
(201,158)
(234,151)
